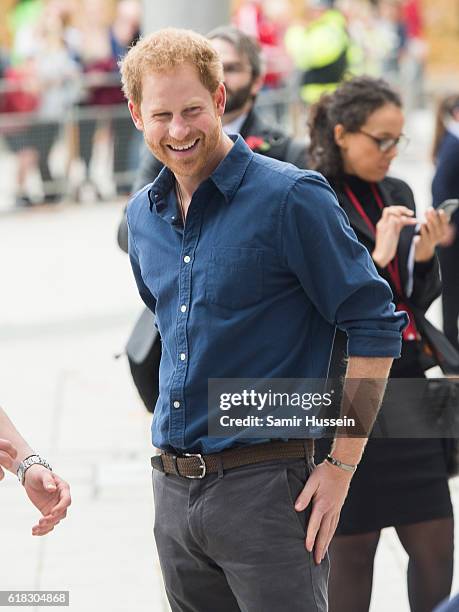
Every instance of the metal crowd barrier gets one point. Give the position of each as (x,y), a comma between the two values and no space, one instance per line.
(94,148)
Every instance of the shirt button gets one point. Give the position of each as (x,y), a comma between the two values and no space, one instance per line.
(176,404)
(182,356)
(183,308)
(187,259)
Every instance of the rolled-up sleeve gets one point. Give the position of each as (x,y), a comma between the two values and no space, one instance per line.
(336,271)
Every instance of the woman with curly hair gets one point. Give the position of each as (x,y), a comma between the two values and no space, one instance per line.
(355,134)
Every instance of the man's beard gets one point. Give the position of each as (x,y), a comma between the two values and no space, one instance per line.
(235,100)
(196,163)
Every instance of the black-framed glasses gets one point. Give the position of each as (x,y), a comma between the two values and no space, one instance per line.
(386,144)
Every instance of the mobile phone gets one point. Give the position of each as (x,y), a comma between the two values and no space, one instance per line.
(449,206)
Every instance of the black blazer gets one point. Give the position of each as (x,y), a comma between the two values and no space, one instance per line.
(426,276)
(282,147)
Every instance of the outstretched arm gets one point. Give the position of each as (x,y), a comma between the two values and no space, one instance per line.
(46,490)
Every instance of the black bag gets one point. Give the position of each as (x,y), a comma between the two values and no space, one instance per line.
(146,376)
(444,401)
(436,348)
(144,355)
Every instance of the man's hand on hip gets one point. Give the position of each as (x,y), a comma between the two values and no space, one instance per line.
(326,489)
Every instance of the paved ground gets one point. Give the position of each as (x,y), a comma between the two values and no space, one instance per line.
(67,305)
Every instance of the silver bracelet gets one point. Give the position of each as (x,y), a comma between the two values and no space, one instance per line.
(348,467)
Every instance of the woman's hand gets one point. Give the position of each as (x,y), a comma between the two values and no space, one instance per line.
(434,231)
(388,228)
(450,235)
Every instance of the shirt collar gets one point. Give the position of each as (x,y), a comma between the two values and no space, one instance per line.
(226,177)
(160,187)
(453,127)
(234,127)
(229,173)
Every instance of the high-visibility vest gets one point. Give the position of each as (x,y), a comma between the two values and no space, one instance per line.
(320,51)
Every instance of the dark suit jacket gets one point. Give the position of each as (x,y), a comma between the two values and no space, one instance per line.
(426,276)
(445,183)
(281,147)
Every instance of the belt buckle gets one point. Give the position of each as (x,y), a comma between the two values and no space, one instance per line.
(201,467)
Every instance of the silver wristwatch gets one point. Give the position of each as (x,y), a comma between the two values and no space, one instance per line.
(28,462)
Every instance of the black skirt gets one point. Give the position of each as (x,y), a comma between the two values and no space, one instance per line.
(398,481)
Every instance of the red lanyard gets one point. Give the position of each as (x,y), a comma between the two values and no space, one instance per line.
(393,268)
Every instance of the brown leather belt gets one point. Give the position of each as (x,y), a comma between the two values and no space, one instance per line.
(195,465)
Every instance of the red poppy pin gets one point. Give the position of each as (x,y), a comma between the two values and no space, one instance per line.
(256,143)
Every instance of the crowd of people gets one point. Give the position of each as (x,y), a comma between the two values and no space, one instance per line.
(329,39)
(59,78)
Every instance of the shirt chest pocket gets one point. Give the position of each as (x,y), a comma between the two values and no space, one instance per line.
(234,277)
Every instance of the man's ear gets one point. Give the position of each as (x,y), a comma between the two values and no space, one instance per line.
(220,99)
(340,135)
(136,116)
(257,84)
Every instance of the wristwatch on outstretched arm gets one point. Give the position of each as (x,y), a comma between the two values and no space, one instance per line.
(28,462)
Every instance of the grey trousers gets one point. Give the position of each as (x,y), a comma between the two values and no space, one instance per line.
(233,542)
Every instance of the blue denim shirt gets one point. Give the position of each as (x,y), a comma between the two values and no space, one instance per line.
(254,286)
